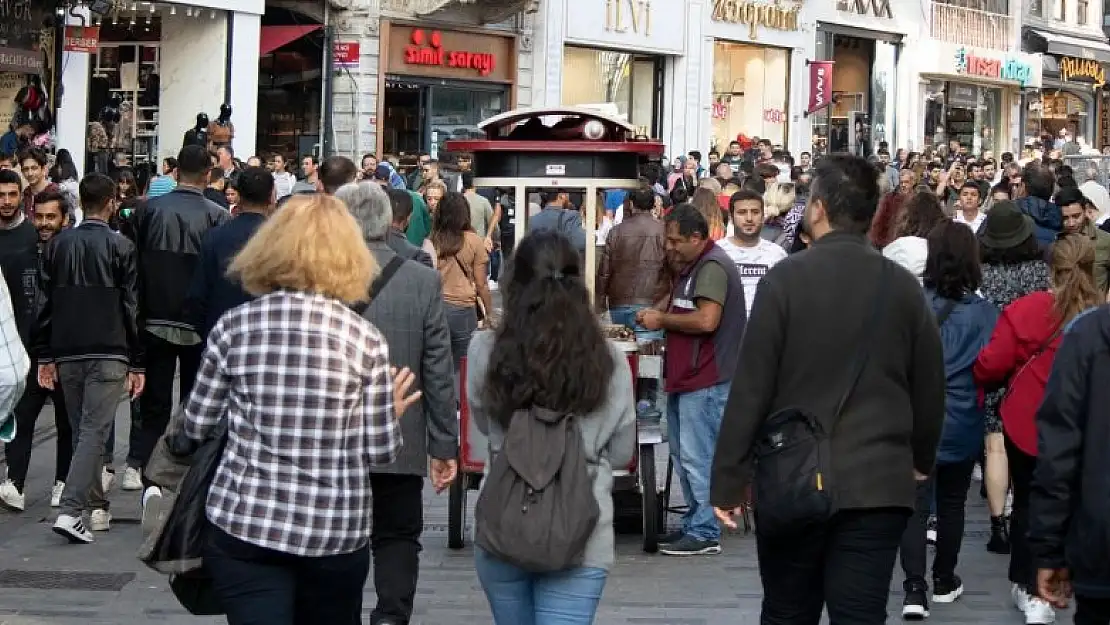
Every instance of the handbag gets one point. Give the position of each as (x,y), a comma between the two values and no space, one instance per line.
(793,483)
(481,306)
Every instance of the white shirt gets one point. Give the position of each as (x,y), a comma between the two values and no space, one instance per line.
(283,183)
(753,263)
(958,217)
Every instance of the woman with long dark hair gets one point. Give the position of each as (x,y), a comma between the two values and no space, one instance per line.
(952,275)
(1013,267)
(1021,352)
(550,352)
(462,262)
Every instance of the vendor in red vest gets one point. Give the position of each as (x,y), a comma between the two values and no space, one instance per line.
(704,323)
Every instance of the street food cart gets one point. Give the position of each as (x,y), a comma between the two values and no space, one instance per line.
(579,151)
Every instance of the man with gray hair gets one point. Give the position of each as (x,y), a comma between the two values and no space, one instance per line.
(406,305)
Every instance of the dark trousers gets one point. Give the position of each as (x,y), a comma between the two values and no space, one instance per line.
(395,539)
(154,410)
(844,565)
(18,452)
(258,586)
(1091,611)
(1021,476)
(947,487)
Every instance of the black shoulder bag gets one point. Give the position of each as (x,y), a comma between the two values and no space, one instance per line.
(379,283)
(793,482)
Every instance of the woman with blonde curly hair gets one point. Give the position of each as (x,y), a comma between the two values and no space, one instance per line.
(303,385)
(782,213)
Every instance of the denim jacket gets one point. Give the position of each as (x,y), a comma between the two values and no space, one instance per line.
(963,334)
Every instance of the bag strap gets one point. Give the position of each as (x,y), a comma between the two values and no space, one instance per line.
(1040,350)
(863,352)
(466,272)
(946,311)
(387,274)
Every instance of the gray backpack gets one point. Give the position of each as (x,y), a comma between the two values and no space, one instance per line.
(537,508)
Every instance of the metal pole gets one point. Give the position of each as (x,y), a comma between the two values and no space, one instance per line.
(591,239)
(326,139)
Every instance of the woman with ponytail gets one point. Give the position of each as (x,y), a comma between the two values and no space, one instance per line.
(1021,351)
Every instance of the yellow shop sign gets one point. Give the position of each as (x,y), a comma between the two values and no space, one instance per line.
(755,14)
(1072,68)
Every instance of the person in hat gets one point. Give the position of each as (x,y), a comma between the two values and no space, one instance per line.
(1013,267)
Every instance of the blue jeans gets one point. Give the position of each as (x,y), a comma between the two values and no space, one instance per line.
(518,597)
(693,422)
(626,316)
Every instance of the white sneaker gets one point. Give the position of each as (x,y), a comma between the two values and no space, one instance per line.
(107,478)
(56,494)
(977,473)
(152,508)
(100,520)
(73,528)
(1020,597)
(1039,612)
(492,285)
(132,480)
(1008,509)
(11,498)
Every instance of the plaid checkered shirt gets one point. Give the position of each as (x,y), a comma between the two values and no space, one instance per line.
(305,386)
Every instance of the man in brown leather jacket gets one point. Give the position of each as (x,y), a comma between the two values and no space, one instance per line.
(632,274)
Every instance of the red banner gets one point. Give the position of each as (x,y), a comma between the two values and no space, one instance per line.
(820,85)
(82,38)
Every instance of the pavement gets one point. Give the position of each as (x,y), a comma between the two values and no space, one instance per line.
(45,581)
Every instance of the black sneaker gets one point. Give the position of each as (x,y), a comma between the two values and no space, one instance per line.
(690,546)
(672,537)
(915,607)
(947,590)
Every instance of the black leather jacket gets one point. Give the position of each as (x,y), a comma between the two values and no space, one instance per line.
(89,298)
(168,231)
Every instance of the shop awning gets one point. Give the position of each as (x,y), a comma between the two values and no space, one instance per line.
(274,37)
(1066,45)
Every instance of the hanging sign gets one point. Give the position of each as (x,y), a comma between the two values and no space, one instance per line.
(1072,68)
(820,85)
(82,38)
(346,54)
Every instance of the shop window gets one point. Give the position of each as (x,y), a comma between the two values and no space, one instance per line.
(1060,10)
(1082,7)
(750,93)
(621,84)
(862,112)
(1054,111)
(125,70)
(963,112)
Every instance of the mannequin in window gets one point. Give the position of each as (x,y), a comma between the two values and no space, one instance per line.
(197,135)
(100,140)
(221,131)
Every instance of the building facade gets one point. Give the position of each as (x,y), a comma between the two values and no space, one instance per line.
(163,63)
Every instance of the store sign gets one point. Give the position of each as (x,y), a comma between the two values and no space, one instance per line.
(820,85)
(346,54)
(1009,68)
(428,50)
(450,54)
(1072,68)
(755,14)
(82,38)
(20,21)
(774,116)
(877,8)
(628,25)
(622,16)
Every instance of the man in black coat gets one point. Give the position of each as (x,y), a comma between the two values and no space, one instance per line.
(1069,501)
(813,311)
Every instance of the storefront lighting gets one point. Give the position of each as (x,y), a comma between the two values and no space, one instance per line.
(152,7)
(189,12)
(213,15)
(134,6)
(132,22)
(173,10)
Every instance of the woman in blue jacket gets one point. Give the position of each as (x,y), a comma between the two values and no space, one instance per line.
(952,275)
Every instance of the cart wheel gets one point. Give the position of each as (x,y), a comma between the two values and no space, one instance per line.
(649,492)
(456,511)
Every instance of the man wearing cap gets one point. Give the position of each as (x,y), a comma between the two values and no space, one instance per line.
(420,225)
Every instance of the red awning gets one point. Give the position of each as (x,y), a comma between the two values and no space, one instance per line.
(274,37)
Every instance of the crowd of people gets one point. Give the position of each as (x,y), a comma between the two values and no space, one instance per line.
(325,320)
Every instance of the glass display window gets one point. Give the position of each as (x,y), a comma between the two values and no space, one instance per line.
(751,86)
(970,114)
(621,84)
(1056,110)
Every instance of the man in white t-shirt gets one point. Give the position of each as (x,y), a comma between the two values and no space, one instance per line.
(969,209)
(754,256)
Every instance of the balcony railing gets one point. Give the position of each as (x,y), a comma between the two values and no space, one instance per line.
(972,27)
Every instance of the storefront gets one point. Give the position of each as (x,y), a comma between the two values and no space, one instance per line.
(973,95)
(758,55)
(1074,74)
(160,64)
(613,56)
(438,84)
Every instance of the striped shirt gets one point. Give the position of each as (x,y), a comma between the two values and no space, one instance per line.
(161,186)
(304,384)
